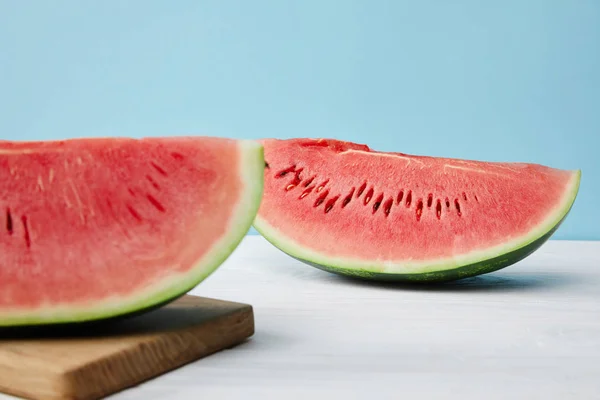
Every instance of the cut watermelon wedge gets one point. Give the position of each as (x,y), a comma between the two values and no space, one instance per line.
(98,228)
(347,209)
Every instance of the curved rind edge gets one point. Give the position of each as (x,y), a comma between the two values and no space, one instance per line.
(252,175)
(476,263)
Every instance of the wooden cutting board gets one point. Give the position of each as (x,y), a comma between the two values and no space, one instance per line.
(95,361)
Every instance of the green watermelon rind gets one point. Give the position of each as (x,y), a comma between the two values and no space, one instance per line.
(435,271)
(251,173)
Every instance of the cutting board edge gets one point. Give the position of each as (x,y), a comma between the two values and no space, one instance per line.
(78,383)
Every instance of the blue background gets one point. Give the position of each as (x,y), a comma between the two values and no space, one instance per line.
(508,80)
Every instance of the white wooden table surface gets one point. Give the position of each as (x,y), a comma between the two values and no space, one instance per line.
(530,331)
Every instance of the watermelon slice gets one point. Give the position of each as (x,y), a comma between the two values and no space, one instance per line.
(347,209)
(98,228)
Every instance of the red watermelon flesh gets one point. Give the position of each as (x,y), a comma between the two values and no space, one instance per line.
(353,210)
(93,228)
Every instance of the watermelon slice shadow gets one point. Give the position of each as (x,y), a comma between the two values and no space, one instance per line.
(146,321)
(502,282)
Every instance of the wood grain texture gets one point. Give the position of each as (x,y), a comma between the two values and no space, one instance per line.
(98,360)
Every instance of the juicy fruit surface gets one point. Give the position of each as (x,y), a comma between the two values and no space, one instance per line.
(92,220)
(402,213)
